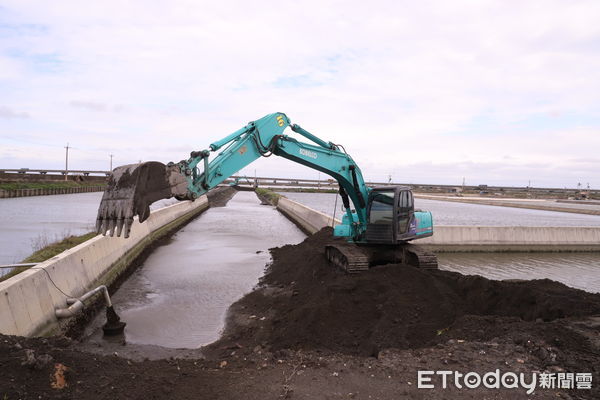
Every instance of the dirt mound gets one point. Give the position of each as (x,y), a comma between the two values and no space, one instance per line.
(220,196)
(309,305)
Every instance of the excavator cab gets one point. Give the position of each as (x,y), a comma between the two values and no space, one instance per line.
(392,221)
(391,216)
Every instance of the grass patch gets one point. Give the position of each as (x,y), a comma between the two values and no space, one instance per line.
(47,185)
(269,195)
(50,250)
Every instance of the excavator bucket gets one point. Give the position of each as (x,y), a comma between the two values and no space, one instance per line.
(130,191)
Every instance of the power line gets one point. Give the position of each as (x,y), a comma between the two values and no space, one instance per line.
(43,144)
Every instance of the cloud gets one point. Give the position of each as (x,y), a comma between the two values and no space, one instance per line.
(402,85)
(89,105)
(7,113)
(97,107)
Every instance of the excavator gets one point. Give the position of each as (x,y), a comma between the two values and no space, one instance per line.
(377,229)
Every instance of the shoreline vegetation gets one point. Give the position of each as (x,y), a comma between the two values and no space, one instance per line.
(47,185)
(268,195)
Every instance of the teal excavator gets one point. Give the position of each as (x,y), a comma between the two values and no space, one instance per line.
(377,228)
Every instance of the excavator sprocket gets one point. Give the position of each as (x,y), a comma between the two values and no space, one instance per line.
(353,258)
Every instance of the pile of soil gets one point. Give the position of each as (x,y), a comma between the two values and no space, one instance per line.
(306,304)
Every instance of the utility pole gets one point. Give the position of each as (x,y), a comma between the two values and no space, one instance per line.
(111,157)
(67,162)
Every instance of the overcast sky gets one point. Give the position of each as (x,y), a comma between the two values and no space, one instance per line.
(498,92)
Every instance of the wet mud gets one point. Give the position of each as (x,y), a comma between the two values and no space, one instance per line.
(309,305)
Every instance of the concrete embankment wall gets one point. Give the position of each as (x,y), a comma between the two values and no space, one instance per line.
(50,191)
(28,300)
(513,239)
(472,238)
(309,220)
(513,204)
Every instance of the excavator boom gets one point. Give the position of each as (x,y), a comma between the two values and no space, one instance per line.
(377,216)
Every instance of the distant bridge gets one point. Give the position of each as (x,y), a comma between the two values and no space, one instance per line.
(324,184)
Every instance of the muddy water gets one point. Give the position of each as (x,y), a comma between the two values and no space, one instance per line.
(578,270)
(179,297)
(29,223)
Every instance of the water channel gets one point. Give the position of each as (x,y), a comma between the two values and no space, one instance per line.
(180,295)
(28,223)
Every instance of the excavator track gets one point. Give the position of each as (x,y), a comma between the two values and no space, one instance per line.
(417,256)
(347,257)
(352,258)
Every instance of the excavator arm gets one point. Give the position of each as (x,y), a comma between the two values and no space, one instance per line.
(132,188)
(383,235)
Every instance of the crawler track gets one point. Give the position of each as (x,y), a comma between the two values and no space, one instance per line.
(347,257)
(417,256)
(353,258)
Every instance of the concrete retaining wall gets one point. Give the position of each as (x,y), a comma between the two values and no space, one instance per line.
(472,238)
(513,239)
(309,220)
(28,300)
(45,192)
(534,205)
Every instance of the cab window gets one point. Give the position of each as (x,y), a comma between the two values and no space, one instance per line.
(406,201)
(382,208)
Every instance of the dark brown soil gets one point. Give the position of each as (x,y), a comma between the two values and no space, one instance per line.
(306,305)
(314,306)
(219,196)
(310,332)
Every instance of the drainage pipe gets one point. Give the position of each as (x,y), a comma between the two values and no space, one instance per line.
(18,265)
(77,304)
